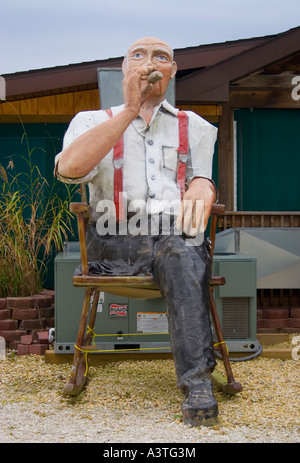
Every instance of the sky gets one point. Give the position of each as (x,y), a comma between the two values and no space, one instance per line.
(38,34)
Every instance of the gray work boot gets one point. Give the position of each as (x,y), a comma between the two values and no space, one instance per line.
(200,408)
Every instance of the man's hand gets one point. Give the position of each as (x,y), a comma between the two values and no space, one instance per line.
(196,206)
(136,87)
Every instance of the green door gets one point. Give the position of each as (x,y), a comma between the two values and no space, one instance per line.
(268,159)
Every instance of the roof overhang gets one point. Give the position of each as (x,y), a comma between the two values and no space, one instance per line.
(55,80)
(212,84)
(82,76)
(205,72)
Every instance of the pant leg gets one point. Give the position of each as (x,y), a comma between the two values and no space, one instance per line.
(182,273)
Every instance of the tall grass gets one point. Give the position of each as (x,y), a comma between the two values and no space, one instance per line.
(34,222)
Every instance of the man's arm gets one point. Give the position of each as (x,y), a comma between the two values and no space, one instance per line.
(86,151)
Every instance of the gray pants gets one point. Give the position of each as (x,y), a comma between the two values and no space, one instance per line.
(182,274)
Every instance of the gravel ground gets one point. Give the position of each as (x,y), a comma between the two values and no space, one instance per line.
(138,402)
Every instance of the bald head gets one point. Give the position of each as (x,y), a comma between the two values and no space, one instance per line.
(150,41)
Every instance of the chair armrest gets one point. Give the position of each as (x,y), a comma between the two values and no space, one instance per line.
(77,208)
(218,209)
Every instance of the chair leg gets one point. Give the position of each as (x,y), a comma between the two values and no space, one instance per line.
(78,372)
(231,387)
(92,319)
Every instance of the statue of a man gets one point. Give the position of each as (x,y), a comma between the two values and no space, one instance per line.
(161,148)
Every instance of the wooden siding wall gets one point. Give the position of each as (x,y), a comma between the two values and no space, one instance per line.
(61,107)
(209,112)
(51,108)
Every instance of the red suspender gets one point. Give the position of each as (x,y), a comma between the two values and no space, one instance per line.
(118,176)
(183,150)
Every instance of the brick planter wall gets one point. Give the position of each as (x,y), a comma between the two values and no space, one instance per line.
(26,316)
(278,320)
(278,311)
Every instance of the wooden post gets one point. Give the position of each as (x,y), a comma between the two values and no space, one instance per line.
(225,158)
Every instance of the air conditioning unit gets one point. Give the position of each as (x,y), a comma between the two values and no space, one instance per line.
(121,323)
(236,301)
(141,325)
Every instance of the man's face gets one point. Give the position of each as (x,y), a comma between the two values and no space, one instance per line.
(154,55)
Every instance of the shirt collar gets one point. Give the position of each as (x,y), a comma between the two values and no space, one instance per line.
(162,105)
(139,123)
(168,107)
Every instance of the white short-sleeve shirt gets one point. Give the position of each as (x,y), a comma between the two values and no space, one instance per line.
(150,156)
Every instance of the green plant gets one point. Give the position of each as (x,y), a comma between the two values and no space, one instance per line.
(34,221)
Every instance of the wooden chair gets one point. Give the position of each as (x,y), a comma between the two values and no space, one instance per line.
(141,287)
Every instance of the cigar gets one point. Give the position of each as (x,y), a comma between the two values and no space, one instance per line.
(154,76)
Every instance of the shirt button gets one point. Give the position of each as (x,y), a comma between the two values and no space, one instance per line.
(151,160)
(153,177)
(151,194)
(150,142)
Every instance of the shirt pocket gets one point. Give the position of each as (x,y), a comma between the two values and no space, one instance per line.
(170,162)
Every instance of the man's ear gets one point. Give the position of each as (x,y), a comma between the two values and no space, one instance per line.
(124,65)
(174,69)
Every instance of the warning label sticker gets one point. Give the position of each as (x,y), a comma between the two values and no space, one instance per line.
(152,322)
(100,301)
